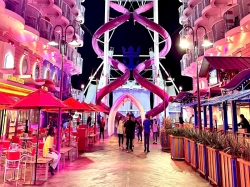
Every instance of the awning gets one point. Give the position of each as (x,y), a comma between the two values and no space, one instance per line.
(192,103)
(238,80)
(222,62)
(229,97)
(182,95)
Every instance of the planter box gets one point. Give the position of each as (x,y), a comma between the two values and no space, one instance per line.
(229,171)
(202,159)
(187,150)
(214,166)
(177,147)
(193,154)
(244,167)
(165,140)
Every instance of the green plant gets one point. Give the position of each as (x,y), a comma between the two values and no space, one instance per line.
(245,154)
(176,131)
(203,137)
(231,145)
(215,140)
(166,124)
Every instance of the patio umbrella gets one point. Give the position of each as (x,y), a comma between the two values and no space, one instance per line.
(38,100)
(4,100)
(98,108)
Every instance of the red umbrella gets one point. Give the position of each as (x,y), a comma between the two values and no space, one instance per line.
(91,109)
(73,104)
(38,100)
(98,108)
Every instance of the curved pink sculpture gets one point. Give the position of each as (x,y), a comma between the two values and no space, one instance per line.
(136,73)
(117,104)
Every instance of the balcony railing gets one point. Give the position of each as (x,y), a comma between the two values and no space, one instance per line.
(16,6)
(191,20)
(218,30)
(72,20)
(82,9)
(205,3)
(186,61)
(66,11)
(78,4)
(32,17)
(231,18)
(79,63)
(57,39)
(243,8)
(198,11)
(58,3)
(200,48)
(74,56)
(69,53)
(45,29)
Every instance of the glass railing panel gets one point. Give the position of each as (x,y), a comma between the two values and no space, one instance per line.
(74,57)
(72,20)
(57,39)
(17,6)
(198,11)
(45,29)
(82,9)
(58,3)
(69,53)
(205,3)
(192,20)
(200,48)
(66,11)
(32,17)
(218,30)
(231,18)
(243,8)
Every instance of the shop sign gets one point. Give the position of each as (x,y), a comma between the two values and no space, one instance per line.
(15,79)
(45,88)
(213,78)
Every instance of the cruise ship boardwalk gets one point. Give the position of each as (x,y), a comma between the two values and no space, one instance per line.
(105,165)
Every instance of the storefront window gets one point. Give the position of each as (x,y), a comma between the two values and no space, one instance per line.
(9,61)
(47,76)
(55,79)
(24,66)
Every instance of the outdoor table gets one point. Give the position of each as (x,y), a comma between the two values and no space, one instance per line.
(63,151)
(40,160)
(25,139)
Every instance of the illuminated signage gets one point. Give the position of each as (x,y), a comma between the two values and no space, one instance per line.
(45,88)
(15,79)
(213,78)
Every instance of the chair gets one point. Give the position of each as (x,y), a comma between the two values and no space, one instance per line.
(40,149)
(12,163)
(16,139)
(74,144)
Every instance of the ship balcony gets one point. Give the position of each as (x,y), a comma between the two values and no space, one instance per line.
(58,3)
(244,10)
(198,11)
(32,17)
(79,64)
(218,30)
(81,14)
(45,29)
(66,11)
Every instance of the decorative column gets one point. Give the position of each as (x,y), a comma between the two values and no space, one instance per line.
(225,120)
(195,117)
(205,116)
(210,110)
(234,116)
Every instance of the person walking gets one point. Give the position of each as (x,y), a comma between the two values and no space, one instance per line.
(244,123)
(139,128)
(120,132)
(146,126)
(155,131)
(129,130)
(78,120)
(89,121)
(181,121)
(102,126)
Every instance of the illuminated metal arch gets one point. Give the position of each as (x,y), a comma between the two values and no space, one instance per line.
(123,98)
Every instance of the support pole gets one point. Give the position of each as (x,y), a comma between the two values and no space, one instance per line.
(225,120)
(205,116)
(210,111)
(195,117)
(234,116)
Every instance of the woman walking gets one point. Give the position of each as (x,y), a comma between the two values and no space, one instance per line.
(102,126)
(120,132)
(155,131)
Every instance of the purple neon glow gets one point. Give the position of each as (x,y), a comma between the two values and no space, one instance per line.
(121,80)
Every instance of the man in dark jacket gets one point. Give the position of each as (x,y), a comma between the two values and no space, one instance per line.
(130,131)
(244,123)
(181,121)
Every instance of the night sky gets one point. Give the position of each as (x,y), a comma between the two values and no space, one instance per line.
(136,35)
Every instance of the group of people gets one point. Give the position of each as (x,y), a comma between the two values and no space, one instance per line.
(127,126)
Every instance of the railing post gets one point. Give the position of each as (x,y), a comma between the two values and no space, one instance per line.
(210,110)
(234,116)
(205,116)
(225,120)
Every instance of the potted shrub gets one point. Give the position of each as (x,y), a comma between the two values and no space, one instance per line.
(188,134)
(177,143)
(202,143)
(215,141)
(229,165)
(164,136)
(244,165)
